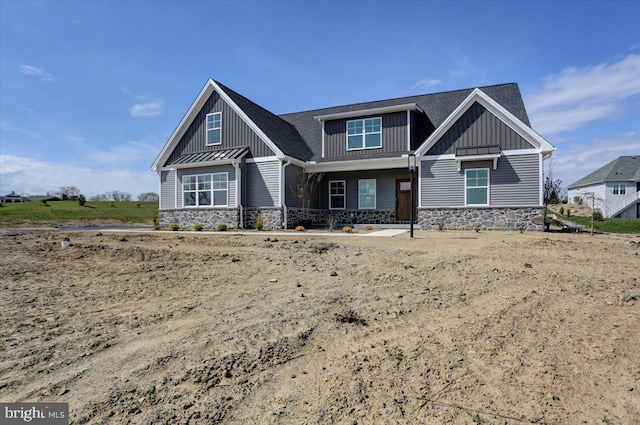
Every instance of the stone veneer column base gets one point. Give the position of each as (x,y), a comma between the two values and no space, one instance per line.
(208,217)
(272,218)
(482,218)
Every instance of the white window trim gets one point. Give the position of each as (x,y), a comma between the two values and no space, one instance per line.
(488,187)
(620,188)
(375,195)
(363,134)
(344,196)
(226,205)
(207,129)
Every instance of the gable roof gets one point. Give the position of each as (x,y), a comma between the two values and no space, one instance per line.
(299,135)
(437,107)
(623,168)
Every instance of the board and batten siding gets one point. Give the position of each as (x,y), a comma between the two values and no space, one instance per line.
(231,200)
(235,132)
(394,137)
(385,187)
(168,189)
(478,127)
(262,184)
(515,182)
(292,181)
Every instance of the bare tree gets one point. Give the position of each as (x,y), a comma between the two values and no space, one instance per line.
(101,197)
(148,197)
(118,196)
(68,192)
(551,188)
(306,187)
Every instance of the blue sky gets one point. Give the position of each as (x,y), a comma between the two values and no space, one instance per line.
(90,91)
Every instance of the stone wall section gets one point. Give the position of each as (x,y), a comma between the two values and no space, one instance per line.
(516,218)
(208,217)
(272,218)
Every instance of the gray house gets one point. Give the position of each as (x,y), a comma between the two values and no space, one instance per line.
(479,163)
(614,188)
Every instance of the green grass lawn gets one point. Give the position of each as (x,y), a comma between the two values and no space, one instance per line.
(609,225)
(61,211)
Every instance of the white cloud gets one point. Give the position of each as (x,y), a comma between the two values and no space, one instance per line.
(126,153)
(577,96)
(425,83)
(147,109)
(573,162)
(29,176)
(36,72)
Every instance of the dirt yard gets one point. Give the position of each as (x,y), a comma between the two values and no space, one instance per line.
(450,327)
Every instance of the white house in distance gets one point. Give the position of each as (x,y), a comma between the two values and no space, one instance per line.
(615,188)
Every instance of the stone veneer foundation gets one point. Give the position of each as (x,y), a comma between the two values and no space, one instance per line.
(272,218)
(516,218)
(208,217)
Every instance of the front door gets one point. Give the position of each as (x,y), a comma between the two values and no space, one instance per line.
(403,200)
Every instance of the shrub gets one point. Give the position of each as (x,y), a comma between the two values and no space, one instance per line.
(597,215)
(174,227)
(561,210)
(331,222)
(221,227)
(347,229)
(568,212)
(156,223)
(44,202)
(259,222)
(300,229)
(82,200)
(198,227)
(368,227)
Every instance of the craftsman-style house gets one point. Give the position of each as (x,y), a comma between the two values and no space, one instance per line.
(479,163)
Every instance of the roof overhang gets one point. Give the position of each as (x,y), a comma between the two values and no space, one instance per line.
(371,111)
(486,157)
(360,164)
(499,111)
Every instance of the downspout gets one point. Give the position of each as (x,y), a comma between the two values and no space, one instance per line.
(236,165)
(282,195)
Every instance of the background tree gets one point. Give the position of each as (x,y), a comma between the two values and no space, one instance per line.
(119,196)
(68,192)
(551,188)
(101,197)
(148,197)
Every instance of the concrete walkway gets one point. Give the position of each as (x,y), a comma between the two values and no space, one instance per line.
(384,233)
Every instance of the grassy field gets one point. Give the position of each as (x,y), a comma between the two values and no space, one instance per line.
(609,225)
(61,211)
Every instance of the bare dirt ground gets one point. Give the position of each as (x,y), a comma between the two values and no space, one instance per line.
(450,327)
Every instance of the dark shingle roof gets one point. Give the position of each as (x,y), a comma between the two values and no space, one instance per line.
(437,107)
(282,133)
(623,168)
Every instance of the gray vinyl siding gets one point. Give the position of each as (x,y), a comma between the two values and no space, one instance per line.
(262,184)
(292,180)
(478,127)
(515,182)
(394,137)
(209,170)
(385,187)
(168,189)
(235,132)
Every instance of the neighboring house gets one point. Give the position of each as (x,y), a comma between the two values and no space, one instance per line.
(12,198)
(43,198)
(479,163)
(613,188)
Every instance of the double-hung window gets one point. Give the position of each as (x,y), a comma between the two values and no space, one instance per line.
(364,134)
(205,190)
(477,186)
(337,195)
(620,189)
(214,129)
(367,194)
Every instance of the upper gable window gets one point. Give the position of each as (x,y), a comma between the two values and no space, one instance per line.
(620,189)
(214,129)
(364,134)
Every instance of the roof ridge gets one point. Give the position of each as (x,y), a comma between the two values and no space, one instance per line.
(399,98)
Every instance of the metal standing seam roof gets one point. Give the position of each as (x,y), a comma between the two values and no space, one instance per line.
(480,150)
(623,168)
(210,156)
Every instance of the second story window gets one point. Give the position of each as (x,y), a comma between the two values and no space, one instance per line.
(364,134)
(214,129)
